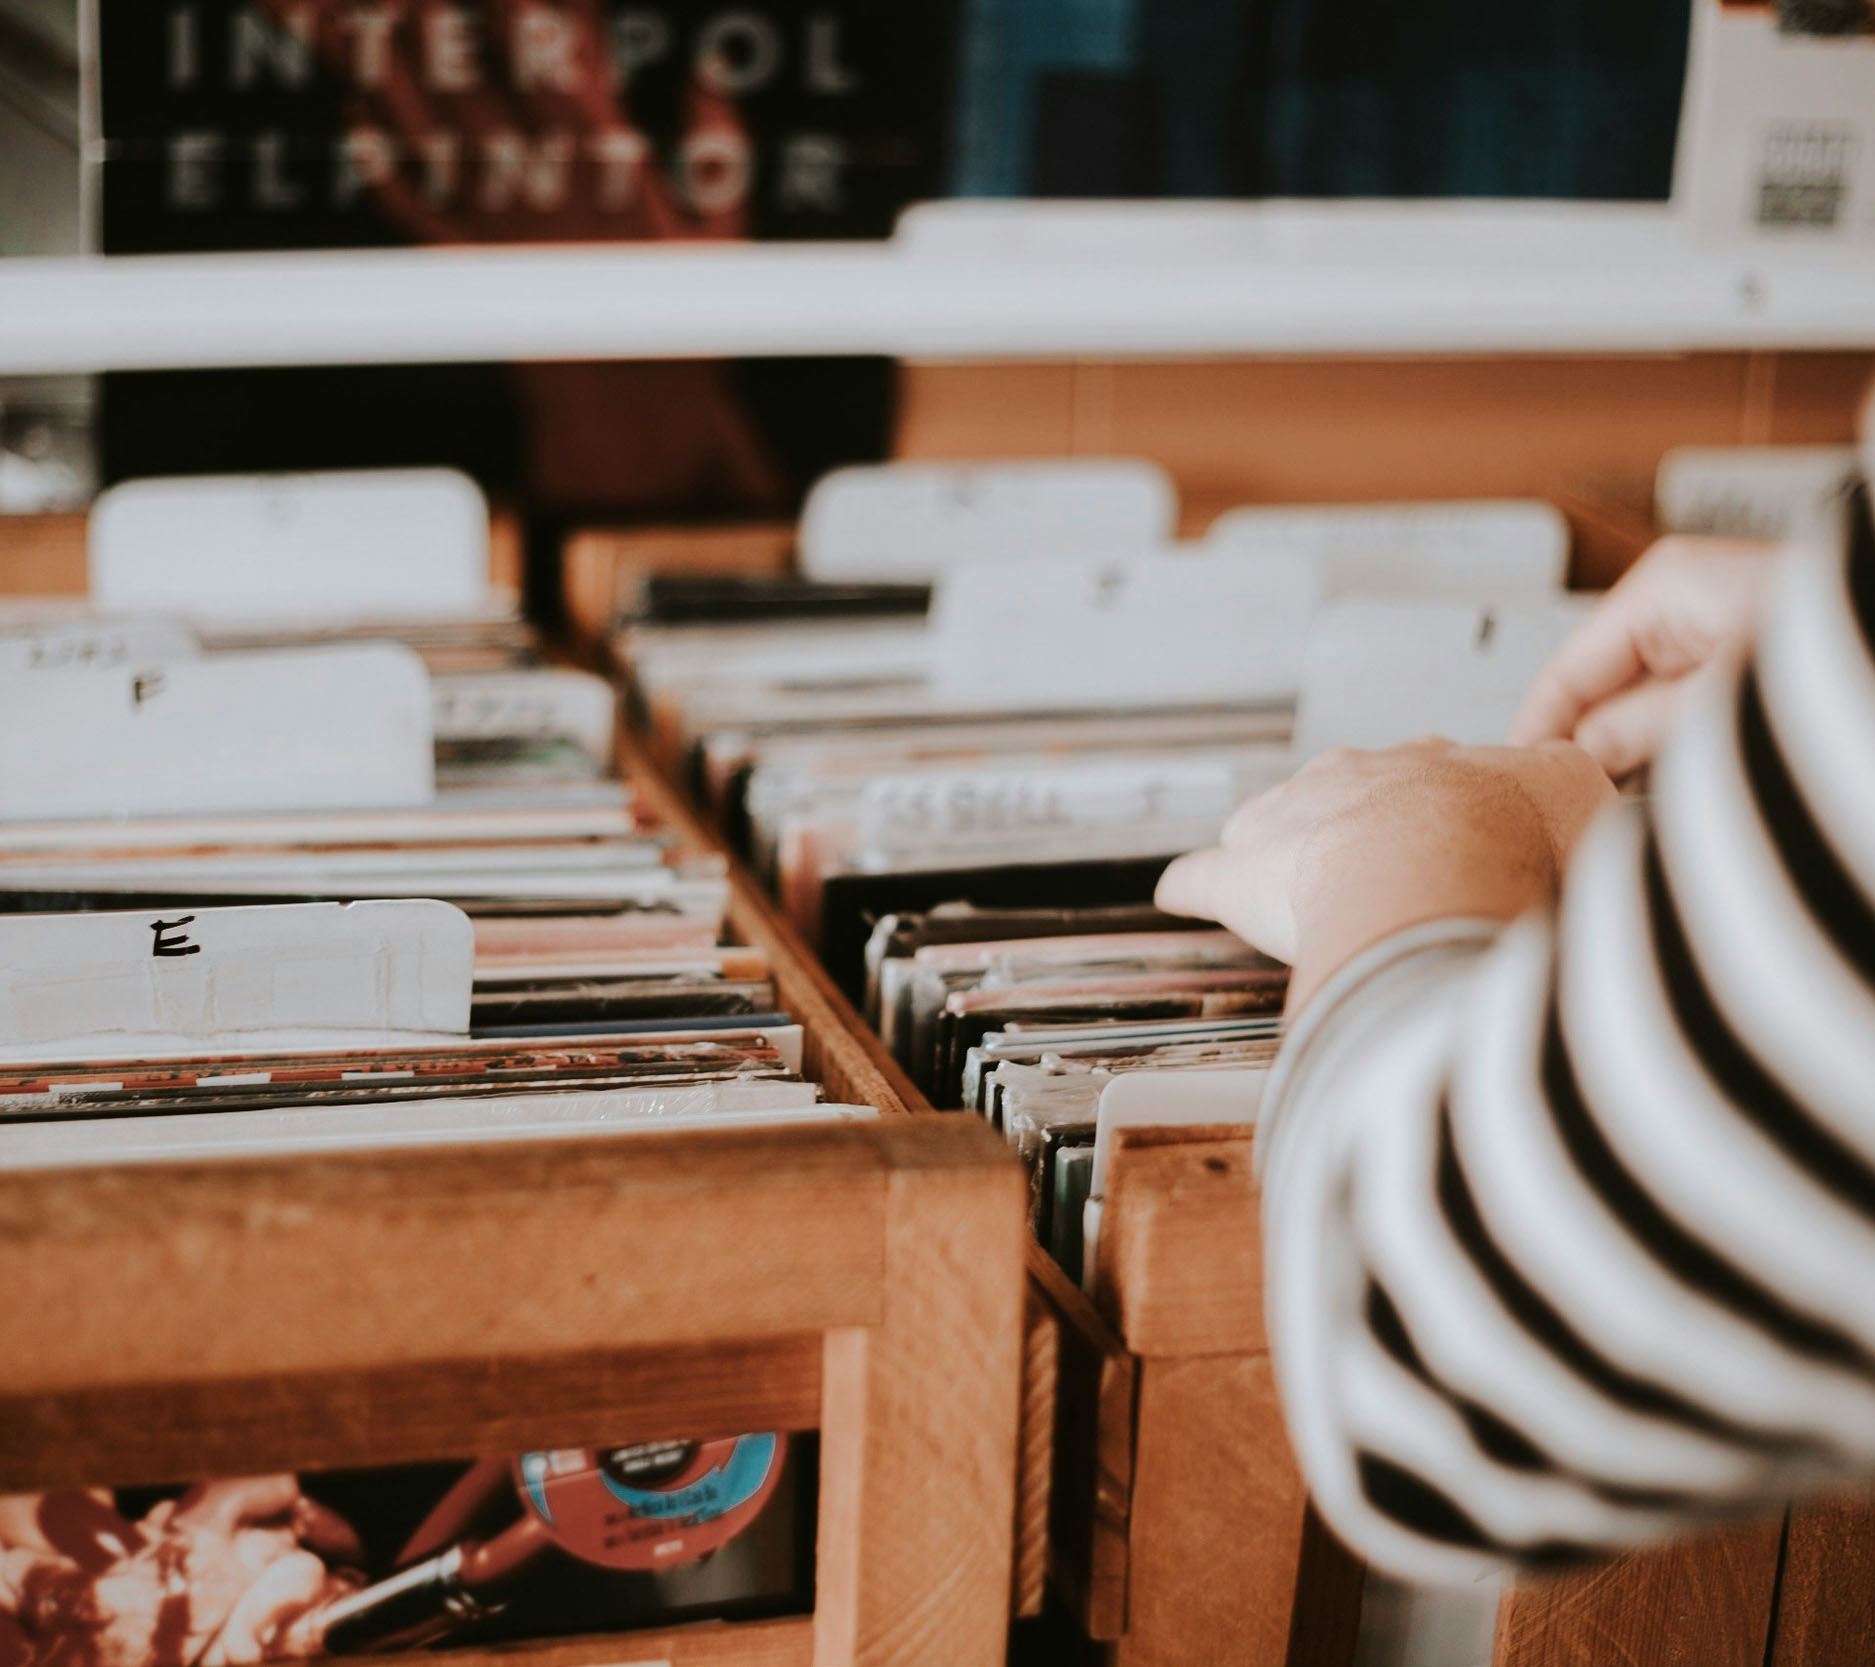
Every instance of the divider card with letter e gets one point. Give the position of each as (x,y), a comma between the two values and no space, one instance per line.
(1378,673)
(299,550)
(86,985)
(292,729)
(910,521)
(1506,550)
(1166,628)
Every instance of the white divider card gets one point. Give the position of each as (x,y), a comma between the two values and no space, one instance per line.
(185,1137)
(74,984)
(297,549)
(1148,1099)
(61,645)
(530,705)
(1378,673)
(1488,550)
(1748,491)
(910,521)
(916,810)
(467,816)
(1778,126)
(344,728)
(1165,629)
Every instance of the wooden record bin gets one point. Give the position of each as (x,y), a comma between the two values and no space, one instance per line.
(1158,1495)
(178,1321)
(1156,1490)
(166,1323)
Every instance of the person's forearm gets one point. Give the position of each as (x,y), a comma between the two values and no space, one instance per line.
(1569,1240)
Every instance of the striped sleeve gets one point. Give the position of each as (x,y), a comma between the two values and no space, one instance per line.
(1570,1228)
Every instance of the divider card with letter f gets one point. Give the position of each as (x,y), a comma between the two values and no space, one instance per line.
(293,729)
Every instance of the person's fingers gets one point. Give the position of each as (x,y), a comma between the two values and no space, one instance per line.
(1597,659)
(1238,890)
(1685,598)
(1192,883)
(1624,732)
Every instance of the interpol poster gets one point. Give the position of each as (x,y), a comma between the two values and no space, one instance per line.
(231,124)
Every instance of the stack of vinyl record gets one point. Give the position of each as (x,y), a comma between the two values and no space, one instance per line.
(290,888)
(962,744)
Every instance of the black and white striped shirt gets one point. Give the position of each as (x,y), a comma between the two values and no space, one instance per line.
(1571,1226)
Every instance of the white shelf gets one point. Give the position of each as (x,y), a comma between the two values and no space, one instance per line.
(965,281)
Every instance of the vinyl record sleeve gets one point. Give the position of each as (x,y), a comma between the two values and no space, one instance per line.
(245,1569)
(853,902)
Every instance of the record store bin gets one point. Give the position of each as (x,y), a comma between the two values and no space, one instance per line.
(987,1439)
(990,1438)
(626,1277)
(227,1360)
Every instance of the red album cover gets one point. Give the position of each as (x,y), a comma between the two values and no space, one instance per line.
(274,1567)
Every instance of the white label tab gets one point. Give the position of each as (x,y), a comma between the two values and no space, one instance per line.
(910,521)
(93,645)
(1164,629)
(1379,673)
(570,706)
(914,810)
(193,1137)
(1748,491)
(67,981)
(307,549)
(1157,1099)
(1469,551)
(293,729)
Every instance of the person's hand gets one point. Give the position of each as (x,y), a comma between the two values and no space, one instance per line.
(1617,682)
(1357,845)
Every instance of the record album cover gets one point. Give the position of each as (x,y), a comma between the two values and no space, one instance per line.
(243,124)
(269,1567)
